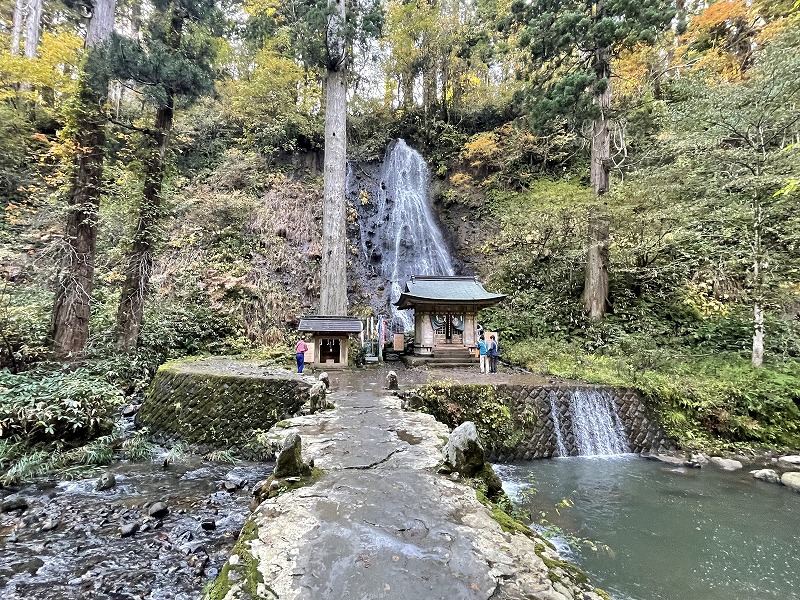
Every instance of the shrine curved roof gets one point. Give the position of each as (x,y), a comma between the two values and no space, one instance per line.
(443,289)
(325,324)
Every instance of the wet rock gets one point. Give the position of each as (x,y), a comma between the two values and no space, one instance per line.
(229,486)
(50,525)
(791,479)
(726,464)
(290,460)
(106,481)
(464,452)
(12,503)
(391,380)
(130,410)
(237,481)
(128,529)
(208,524)
(789,462)
(323,377)
(316,398)
(768,475)
(413,402)
(159,510)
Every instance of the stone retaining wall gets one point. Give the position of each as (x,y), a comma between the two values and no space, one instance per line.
(218,401)
(643,431)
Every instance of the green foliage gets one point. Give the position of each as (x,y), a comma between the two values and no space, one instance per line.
(55,405)
(703,400)
(570,44)
(453,403)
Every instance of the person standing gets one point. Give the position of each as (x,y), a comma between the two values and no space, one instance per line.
(300,353)
(482,350)
(493,354)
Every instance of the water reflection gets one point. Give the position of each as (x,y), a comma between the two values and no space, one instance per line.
(673,534)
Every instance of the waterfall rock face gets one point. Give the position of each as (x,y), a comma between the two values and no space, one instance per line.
(399,234)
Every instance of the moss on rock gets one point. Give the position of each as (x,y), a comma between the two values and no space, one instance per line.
(220,402)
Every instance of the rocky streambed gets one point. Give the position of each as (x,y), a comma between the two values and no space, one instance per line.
(158,534)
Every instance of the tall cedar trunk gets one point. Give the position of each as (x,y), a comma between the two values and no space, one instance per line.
(16,28)
(71,308)
(333,284)
(139,261)
(757,356)
(33,28)
(595,289)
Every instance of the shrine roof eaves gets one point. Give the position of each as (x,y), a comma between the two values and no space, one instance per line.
(421,289)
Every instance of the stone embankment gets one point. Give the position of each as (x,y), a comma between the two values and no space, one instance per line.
(375,519)
(219,402)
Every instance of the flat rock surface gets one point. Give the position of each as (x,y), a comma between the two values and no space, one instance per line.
(381,523)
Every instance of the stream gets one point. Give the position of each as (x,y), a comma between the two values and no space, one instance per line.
(666,533)
(67,543)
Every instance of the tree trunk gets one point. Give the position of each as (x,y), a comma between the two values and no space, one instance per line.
(139,262)
(757,356)
(16,28)
(595,291)
(333,284)
(32,28)
(72,304)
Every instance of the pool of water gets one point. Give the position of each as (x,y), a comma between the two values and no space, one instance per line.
(665,533)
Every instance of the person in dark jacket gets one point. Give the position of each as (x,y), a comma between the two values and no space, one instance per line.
(493,354)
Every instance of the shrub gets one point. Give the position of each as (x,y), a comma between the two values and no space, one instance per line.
(55,405)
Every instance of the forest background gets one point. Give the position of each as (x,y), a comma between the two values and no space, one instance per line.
(160,174)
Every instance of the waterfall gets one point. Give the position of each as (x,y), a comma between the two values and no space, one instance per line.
(596,423)
(400,237)
(554,413)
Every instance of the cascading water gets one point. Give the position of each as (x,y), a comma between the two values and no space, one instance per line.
(554,413)
(596,423)
(400,236)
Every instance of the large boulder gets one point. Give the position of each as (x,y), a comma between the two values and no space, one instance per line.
(464,451)
(768,475)
(791,479)
(290,459)
(789,462)
(726,464)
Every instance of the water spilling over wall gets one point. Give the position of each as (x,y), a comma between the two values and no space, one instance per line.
(399,235)
(581,421)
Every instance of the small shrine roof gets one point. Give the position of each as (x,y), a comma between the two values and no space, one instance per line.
(443,289)
(323,324)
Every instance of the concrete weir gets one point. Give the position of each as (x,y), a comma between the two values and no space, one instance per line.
(378,521)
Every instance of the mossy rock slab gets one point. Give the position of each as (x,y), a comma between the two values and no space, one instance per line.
(220,401)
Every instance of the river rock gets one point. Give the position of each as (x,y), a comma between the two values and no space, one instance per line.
(50,525)
(791,479)
(464,452)
(391,380)
(789,462)
(129,410)
(128,529)
(159,510)
(13,502)
(726,464)
(106,481)
(316,398)
(290,458)
(209,524)
(768,475)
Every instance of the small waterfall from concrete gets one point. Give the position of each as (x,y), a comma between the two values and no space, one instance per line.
(596,423)
(402,238)
(554,412)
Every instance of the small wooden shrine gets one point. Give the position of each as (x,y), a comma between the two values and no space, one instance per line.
(330,339)
(445,311)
